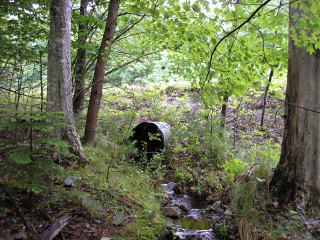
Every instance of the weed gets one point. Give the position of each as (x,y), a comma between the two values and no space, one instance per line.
(234,167)
(222,230)
(181,174)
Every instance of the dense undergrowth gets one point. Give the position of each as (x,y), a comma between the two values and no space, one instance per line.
(119,197)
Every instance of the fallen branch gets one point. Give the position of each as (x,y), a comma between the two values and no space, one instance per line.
(55,228)
(51,221)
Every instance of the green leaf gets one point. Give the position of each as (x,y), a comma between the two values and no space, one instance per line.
(134,9)
(20,157)
(195,7)
(186,6)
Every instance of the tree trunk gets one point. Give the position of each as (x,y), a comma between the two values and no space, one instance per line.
(59,70)
(97,83)
(80,66)
(19,90)
(297,177)
(41,81)
(265,98)
(224,111)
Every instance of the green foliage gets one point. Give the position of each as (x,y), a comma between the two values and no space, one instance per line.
(305,30)
(118,184)
(29,154)
(152,69)
(234,167)
(245,203)
(201,141)
(23,29)
(149,225)
(155,167)
(222,230)
(157,42)
(181,174)
(267,159)
(250,198)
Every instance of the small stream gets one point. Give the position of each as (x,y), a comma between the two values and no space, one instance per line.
(192,221)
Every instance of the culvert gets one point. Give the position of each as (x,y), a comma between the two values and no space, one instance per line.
(151,137)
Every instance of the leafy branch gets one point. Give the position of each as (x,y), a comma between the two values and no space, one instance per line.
(230,33)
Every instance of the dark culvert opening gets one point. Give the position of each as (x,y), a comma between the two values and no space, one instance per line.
(151,138)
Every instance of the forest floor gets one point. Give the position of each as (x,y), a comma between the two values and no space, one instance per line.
(113,198)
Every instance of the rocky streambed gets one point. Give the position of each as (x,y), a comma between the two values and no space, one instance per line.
(189,219)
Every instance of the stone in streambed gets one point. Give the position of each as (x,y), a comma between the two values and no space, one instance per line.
(171,211)
(196,223)
(182,205)
(216,204)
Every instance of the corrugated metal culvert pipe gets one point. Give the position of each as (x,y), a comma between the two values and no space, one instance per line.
(151,137)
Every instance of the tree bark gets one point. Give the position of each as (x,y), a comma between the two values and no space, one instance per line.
(265,98)
(80,65)
(19,90)
(59,90)
(41,81)
(296,179)
(97,83)
(224,111)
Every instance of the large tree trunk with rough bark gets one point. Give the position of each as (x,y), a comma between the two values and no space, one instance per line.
(97,83)
(80,65)
(297,177)
(59,70)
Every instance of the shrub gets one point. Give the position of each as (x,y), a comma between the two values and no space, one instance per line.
(30,155)
(234,167)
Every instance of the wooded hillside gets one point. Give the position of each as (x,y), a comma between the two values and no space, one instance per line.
(167,119)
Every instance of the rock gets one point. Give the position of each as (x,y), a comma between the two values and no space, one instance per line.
(216,204)
(69,181)
(193,237)
(313,226)
(171,185)
(119,218)
(217,208)
(219,211)
(182,205)
(228,212)
(166,234)
(93,204)
(171,211)
(191,223)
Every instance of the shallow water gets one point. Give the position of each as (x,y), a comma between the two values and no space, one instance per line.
(194,223)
